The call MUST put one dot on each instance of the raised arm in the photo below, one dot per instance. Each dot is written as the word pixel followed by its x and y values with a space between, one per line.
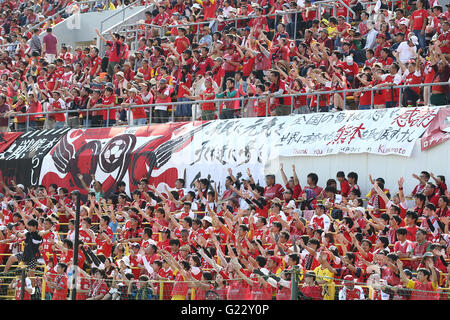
pixel 83 183
pixel 380 192
pixel 283 175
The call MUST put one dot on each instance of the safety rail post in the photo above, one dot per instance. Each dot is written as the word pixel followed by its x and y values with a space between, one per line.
pixel 46 121
pixel 371 99
pixel 43 285
pixel 317 104
pixel 129 117
pixel 150 116
pixel 195 111
pixel 295 26
pixel 292 105
pixel 76 244
pixel 87 118
pixel 107 118
pixel 136 37
pixel 23 276
pixel 345 101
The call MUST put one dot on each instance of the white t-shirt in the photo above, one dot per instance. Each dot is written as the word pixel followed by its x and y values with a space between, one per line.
pixel 325 220
pixel 397 78
pixel 191 215
pixel 405 52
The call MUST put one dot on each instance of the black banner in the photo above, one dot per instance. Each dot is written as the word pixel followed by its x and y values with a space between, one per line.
pixel 22 161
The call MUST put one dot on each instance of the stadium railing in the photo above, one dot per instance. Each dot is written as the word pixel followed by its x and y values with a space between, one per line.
pixel 319 7
pixel 240 112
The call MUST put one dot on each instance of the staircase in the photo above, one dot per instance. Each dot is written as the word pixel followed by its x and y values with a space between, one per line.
pixel 129 15
pixel 79 29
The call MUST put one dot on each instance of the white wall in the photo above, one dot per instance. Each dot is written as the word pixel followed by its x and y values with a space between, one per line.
pixel 81 28
pixel 389 167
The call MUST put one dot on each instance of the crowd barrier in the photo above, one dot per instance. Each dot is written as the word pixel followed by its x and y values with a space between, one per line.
pixel 244 110
pixel 158 291
pixel 160 295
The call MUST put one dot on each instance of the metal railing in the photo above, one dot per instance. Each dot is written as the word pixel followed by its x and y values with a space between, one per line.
pixel 104 27
pixel 240 112
pixel 319 6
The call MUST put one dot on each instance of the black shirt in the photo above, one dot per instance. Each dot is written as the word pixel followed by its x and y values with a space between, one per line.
pixel 32 242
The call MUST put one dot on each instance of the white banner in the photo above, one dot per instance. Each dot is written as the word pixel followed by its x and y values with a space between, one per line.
pixel 382 131
pixel 165 152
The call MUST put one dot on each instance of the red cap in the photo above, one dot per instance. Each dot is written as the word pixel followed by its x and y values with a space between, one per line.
pixel 277 260
pixel 349 278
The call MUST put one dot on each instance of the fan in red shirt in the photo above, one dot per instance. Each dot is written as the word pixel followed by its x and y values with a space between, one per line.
pixel 162 18
pixel 310 288
pixel 104 237
pixel 133 99
pixel 208 108
pixel 432 193
pixel 181 42
pixel 60 284
pixel 99 288
pixel 108 101
pixel 381 44
pixel 293 183
pixel 95 63
pixel 272 189
pixel 57 104
pixel 344 185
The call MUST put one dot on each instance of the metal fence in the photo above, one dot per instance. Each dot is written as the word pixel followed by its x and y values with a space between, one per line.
pixel 107 25
pixel 319 6
pixel 244 109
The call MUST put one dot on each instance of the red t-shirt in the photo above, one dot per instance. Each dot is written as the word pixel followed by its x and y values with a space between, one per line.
pixel 108 101
pixel 419 17
pixel 181 44
pixel 138 113
pixel 208 105
pixel 247 66
pixel 275 191
pixel 61 287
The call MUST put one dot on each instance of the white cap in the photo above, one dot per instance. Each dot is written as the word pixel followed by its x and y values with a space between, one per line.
pixel 360 209
pixel 208 218
pixel 414 40
pixel 349 60
pixel 290 205
pixel 126 260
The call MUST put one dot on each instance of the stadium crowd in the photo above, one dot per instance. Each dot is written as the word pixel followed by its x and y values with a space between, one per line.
pixel 232 49
pixel 246 242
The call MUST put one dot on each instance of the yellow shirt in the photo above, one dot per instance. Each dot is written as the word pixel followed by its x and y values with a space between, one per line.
pixel 412 285
pixel 331 31
pixel 329 287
